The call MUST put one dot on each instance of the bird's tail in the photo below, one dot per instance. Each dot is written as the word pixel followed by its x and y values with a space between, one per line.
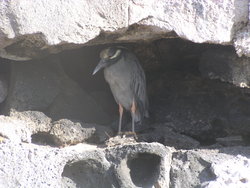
pixel 140 113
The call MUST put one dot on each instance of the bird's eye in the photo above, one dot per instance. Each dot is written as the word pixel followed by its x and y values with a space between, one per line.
pixel 117 53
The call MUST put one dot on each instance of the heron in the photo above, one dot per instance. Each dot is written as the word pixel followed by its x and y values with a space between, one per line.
pixel 126 78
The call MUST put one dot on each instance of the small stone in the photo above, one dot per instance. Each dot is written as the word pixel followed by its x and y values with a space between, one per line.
pixel 69 132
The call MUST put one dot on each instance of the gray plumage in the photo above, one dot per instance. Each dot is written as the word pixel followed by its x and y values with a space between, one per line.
pixel 126 79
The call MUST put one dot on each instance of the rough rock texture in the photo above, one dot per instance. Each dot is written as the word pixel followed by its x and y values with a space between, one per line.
pixel 126 165
pixel 141 165
pixel 68 132
pixel 84 165
pixel 31 29
pixel 225 167
pixel 22 125
pixel 39 166
pixel 14 130
pixel 242 41
pixel 36 127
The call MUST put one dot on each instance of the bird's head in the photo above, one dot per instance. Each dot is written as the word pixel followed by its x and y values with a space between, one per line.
pixel 108 57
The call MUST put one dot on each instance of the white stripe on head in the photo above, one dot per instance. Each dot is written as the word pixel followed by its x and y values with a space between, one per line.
pixel 117 53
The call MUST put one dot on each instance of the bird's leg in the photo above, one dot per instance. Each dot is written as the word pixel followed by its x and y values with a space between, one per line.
pixel 120 118
pixel 133 109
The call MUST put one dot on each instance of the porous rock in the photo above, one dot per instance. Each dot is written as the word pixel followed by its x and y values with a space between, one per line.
pixel 242 41
pixel 83 165
pixel 225 167
pixel 141 164
pixel 125 165
pixel 67 132
pixel 14 130
pixel 36 127
pixel 22 125
pixel 35 121
pixel 30 29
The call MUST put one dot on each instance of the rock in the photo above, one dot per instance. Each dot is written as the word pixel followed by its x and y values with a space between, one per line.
pixel 14 130
pixel 90 172
pixel 124 165
pixel 231 173
pixel 37 166
pixel 224 64
pixel 42 85
pixel 188 105
pixel 186 167
pixel 83 165
pixel 36 127
pixel 140 164
pixel 68 132
pixel 30 30
pixel 168 137
pixel 22 125
pixel 35 121
pixel 226 167
pixel 242 41
pixel 190 19
pixel 78 28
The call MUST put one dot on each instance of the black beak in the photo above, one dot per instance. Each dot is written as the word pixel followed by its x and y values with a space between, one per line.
pixel 100 65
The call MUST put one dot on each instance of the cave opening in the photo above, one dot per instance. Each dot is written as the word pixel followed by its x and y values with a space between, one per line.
pixel 194 90
pixel 182 96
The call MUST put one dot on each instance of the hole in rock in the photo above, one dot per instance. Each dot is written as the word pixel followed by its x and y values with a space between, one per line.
pixel 144 169
pixel 85 174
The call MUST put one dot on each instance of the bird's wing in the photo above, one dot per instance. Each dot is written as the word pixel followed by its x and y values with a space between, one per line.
pixel 139 88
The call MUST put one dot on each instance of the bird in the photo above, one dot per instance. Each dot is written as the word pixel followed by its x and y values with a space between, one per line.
pixel 127 81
